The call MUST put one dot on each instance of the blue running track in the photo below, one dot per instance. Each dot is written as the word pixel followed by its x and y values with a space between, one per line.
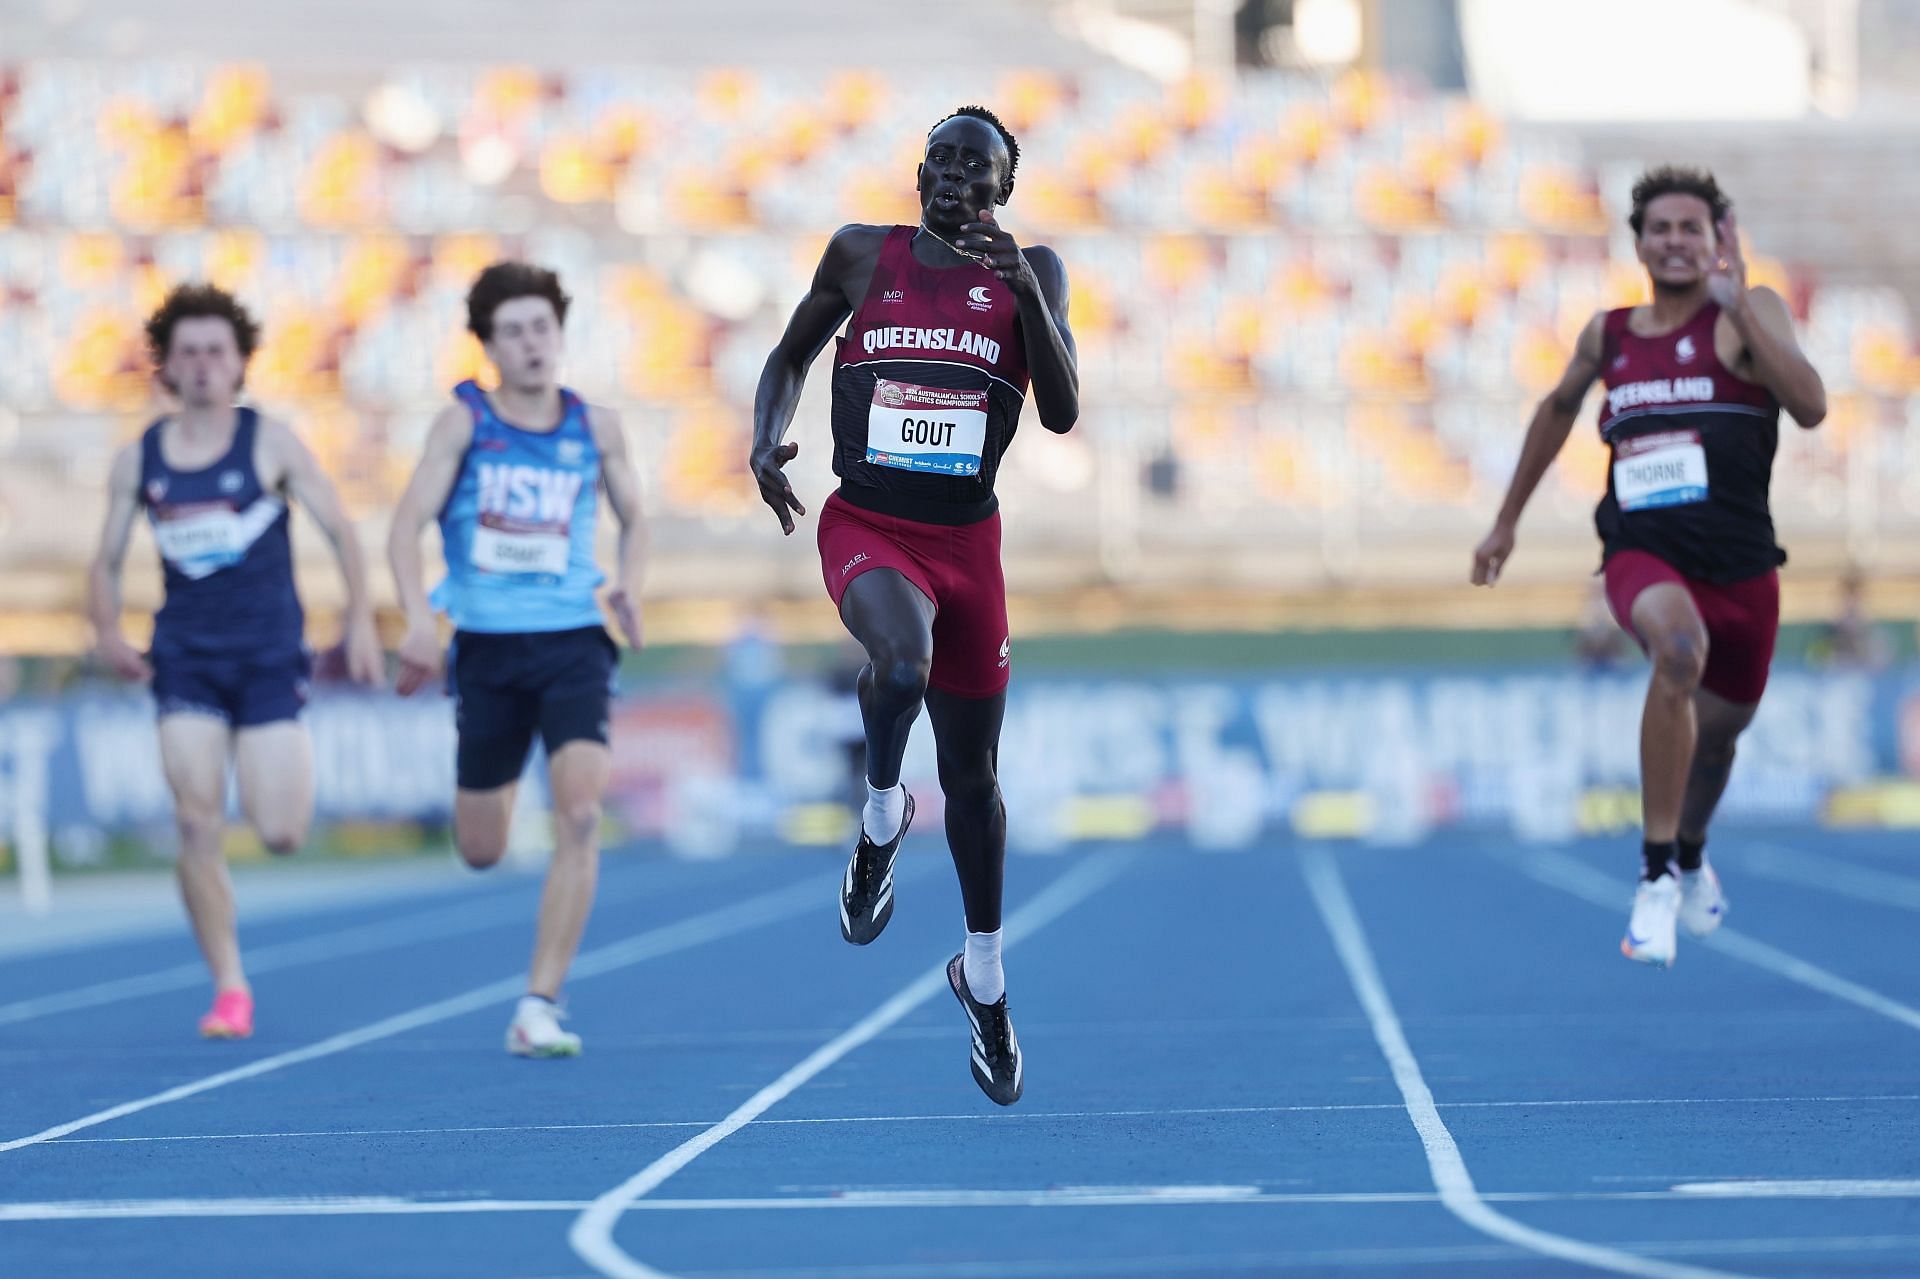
pixel 1300 1060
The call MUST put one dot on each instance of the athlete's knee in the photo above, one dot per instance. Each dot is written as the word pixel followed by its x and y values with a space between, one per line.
pixel 200 826
pixel 900 674
pixel 576 823
pixel 1714 750
pixel 969 784
pixel 479 846
pixel 281 835
pixel 1679 660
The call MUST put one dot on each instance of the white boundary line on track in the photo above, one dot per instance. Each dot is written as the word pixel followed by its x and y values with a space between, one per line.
pixel 1571 875
pixel 1444 1162
pixel 765 908
pixel 495 911
pixel 1015 1116
pixel 1831 875
pixel 592 1233
pixel 1175 1196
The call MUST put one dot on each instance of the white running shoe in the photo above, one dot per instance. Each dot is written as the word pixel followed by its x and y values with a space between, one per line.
pixel 1656 909
pixel 1703 907
pixel 536 1032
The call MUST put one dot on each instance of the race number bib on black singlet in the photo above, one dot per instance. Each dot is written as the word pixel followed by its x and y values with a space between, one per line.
pixel 1667 469
pixel 926 428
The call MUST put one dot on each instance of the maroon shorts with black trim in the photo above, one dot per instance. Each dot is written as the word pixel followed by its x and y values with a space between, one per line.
pixel 955 566
pixel 1742 619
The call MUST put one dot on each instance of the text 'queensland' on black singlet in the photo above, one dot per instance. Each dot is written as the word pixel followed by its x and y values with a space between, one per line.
pixel 1692 453
pixel 927 388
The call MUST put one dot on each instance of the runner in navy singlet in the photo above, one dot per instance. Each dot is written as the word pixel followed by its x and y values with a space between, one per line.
pixel 951 320
pixel 1695 381
pixel 228 664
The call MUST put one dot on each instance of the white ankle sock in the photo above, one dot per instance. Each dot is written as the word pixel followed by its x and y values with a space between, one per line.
pixel 981 965
pixel 884 812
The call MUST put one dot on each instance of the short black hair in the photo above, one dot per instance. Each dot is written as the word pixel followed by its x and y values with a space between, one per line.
pixel 1672 179
pixel 197 301
pixel 505 281
pixel 1006 134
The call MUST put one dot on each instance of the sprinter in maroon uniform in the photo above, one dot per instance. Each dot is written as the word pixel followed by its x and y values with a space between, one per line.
pixel 951 320
pixel 1695 381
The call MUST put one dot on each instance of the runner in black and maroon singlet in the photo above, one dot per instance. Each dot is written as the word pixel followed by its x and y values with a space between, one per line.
pixel 1695 381
pixel 950 320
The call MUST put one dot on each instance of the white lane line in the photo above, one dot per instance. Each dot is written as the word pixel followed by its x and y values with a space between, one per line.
pixel 1176 1196
pixel 1444 1162
pixel 446 922
pixel 1012 1116
pixel 1392 1260
pixel 1833 1189
pixel 1571 875
pixel 1829 874
pixel 592 1232
pixel 767 908
pixel 497 910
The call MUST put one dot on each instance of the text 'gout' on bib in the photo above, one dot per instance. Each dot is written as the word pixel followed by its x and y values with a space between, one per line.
pixel 926 428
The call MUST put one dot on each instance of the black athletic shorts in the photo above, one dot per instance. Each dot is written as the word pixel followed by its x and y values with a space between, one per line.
pixel 505 686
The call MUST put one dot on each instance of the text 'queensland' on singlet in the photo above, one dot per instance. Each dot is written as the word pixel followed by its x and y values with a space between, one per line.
pixel 518 526
pixel 227 560
pixel 927 388
pixel 1692 453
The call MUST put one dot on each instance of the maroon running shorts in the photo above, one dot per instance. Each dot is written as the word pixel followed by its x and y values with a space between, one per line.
pixel 955 566
pixel 1742 619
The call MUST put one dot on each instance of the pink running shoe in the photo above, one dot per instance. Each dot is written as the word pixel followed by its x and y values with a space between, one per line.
pixel 231 1017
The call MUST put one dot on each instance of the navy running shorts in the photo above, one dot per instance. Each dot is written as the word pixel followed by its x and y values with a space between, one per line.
pixel 505 686
pixel 243 690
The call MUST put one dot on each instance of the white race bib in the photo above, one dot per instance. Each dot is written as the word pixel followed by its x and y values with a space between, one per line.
pixel 926 428
pixel 199 533
pixel 1667 469
pixel 501 551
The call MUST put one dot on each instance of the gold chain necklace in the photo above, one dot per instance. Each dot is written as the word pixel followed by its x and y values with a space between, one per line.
pixel 982 259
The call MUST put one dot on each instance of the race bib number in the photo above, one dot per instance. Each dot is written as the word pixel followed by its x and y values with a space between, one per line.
pixel 926 428
pixel 1667 469
pixel 195 534
pixel 498 550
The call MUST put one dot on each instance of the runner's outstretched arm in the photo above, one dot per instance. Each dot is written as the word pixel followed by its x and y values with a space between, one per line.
pixel 1546 434
pixel 426 493
pixel 622 484
pixel 103 581
pixel 820 312
pixel 309 486
pixel 1039 282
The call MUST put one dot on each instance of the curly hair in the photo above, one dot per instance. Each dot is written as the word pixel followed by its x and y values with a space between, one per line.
pixel 1006 134
pixel 1671 179
pixel 196 301
pixel 504 281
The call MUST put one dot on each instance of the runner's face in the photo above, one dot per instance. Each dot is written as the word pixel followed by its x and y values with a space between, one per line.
pixel 526 344
pixel 962 173
pixel 203 364
pixel 1677 240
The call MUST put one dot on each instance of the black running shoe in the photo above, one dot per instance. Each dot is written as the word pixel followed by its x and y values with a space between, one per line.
pixel 996 1050
pixel 866 894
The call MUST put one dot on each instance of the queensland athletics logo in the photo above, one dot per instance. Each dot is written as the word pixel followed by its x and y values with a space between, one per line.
pixel 979 299
pixel 1683 350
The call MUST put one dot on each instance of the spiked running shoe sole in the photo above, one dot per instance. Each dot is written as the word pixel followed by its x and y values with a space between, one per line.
pixel 866 893
pixel 997 1064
